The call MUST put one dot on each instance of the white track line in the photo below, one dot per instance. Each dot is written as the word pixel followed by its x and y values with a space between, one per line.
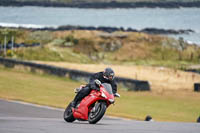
pixel 53 108
pixel 33 105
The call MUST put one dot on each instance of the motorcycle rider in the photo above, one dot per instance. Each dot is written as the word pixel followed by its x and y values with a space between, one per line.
pixel 107 76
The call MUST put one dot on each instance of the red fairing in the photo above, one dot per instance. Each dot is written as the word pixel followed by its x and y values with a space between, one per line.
pixel 109 96
pixel 82 111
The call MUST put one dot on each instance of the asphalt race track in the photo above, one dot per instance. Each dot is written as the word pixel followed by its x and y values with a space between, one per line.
pixel 16 117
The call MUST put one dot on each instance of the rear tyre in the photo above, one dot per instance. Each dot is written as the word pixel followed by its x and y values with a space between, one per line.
pixel 94 117
pixel 68 114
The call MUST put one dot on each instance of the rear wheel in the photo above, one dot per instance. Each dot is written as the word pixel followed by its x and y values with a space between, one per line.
pixel 97 113
pixel 68 114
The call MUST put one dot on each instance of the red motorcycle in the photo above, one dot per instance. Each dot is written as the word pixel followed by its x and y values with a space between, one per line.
pixel 93 107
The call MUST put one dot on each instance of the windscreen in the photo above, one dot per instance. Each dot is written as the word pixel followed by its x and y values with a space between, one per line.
pixel 108 88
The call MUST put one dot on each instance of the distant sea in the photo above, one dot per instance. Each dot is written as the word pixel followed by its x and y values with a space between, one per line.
pixel 137 18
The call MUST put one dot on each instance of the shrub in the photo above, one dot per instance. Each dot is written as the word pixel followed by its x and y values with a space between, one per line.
pixel 39 36
pixel 71 39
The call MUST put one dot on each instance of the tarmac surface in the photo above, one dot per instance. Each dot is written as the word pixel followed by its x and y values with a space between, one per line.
pixel 19 117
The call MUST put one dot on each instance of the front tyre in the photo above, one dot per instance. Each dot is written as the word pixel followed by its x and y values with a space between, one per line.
pixel 68 114
pixel 95 116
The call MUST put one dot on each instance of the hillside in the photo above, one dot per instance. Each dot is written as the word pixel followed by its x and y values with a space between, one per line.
pixel 83 46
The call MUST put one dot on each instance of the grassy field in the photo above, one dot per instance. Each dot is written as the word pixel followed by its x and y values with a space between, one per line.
pixel 58 92
pixel 160 78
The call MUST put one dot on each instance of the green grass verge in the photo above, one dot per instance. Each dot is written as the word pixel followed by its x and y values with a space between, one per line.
pixel 58 92
pixel 35 88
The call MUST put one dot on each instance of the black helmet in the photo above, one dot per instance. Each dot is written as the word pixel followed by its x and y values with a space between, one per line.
pixel 109 74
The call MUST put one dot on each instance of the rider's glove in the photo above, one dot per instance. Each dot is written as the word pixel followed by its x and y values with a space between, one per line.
pixel 95 85
pixel 97 82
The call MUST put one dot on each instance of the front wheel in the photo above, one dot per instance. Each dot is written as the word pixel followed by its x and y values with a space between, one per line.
pixel 68 114
pixel 97 113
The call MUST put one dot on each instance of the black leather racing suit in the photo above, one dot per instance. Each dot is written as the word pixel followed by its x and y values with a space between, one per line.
pixel 86 90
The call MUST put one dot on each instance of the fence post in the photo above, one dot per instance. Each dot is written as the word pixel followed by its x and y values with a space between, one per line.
pixel 12 45
pixel 5 40
pixel 0 47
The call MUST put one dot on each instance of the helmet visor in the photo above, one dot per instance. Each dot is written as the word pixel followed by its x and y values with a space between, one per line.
pixel 111 76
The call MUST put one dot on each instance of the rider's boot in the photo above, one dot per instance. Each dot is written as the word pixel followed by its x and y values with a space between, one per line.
pixel 73 104
pixel 77 98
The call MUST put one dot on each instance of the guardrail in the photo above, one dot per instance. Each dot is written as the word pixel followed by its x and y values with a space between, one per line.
pixel 193 70
pixel 131 84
